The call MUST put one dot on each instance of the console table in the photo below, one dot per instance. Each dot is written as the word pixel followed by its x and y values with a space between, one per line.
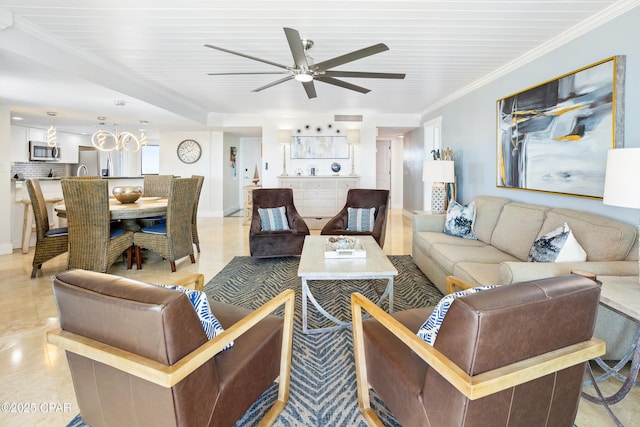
pixel 318 197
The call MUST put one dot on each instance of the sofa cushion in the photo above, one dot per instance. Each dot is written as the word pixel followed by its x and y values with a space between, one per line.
pixel 447 256
pixel 488 209
pixel 459 220
pixel 360 219
pixel 517 228
pixel 478 273
pixel 559 245
pixel 602 238
pixel 425 239
pixel 273 219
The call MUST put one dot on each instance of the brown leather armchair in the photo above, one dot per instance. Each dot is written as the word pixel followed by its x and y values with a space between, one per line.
pixel 139 356
pixel 264 244
pixel 514 355
pixel 361 198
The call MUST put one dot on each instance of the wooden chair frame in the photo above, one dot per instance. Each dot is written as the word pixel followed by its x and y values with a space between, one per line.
pixel 169 376
pixel 471 386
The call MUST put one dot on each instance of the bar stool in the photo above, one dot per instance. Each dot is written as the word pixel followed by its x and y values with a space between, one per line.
pixel 27 223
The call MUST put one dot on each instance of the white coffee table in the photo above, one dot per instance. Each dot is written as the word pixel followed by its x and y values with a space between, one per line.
pixel 314 266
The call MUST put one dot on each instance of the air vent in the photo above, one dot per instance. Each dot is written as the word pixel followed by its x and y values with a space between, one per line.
pixel 347 118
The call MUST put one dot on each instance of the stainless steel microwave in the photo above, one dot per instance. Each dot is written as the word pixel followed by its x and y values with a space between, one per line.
pixel 41 151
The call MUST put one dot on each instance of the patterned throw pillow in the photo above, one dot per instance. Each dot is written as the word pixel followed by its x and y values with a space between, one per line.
pixel 429 329
pixel 273 219
pixel 559 245
pixel 460 219
pixel 361 219
pixel 198 299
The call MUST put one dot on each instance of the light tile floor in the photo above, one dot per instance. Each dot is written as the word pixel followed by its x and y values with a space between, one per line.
pixel 36 388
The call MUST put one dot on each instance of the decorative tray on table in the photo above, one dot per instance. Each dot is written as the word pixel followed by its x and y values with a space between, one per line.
pixel 344 247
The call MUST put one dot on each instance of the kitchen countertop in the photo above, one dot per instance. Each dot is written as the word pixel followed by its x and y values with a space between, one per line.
pixel 53 178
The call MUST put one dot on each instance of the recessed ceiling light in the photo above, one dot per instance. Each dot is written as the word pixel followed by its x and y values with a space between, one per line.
pixel 144 122
pixel 52 113
pixel 16 118
pixel 119 102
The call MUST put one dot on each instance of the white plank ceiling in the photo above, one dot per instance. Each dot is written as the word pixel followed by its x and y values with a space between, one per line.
pixel 151 53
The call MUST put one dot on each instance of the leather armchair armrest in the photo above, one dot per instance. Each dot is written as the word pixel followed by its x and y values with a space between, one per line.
pixel 454 283
pixel 169 376
pixel 192 281
pixel 472 386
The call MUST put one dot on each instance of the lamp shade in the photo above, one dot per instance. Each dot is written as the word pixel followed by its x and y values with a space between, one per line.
pixel 622 178
pixel 284 136
pixel 353 136
pixel 438 171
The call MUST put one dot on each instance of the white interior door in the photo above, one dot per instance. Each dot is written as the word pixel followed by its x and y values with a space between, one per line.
pixel 383 165
pixel 432 141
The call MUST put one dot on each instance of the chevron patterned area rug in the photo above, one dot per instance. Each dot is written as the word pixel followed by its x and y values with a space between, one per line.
pixel 323 378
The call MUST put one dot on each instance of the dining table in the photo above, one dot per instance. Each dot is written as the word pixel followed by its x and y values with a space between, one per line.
pixel 128 213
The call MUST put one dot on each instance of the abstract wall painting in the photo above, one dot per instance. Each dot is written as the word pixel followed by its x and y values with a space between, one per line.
pixel 554 137
pixel 319 147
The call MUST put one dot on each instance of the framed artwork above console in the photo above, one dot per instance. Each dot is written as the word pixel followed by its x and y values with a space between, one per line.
pixel 319 147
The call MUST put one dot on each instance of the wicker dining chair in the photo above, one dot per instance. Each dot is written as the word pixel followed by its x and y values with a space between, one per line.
pixel 156 185
pixel 93 243
pixel 194 218
pixel 50 242
pixel 172 239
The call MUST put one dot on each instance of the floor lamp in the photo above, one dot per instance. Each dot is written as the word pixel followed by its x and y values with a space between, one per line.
pixel 284 138
pixel 621 179
pixel 353 139
pixel 439 172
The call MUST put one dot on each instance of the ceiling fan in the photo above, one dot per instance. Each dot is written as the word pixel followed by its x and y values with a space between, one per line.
pixel 305 71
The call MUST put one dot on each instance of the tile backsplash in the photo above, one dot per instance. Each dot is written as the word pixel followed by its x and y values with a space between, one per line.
pixel 38 169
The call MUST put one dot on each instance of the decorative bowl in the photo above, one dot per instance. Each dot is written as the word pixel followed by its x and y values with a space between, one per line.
pixel 127 193
pixel 341 242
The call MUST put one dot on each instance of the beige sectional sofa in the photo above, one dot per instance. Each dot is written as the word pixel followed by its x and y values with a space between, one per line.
pixel 505 232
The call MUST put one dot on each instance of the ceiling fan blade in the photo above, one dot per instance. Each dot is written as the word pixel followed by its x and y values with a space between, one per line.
pixel 277 82
pixel 343 84
pixel 353 56
pixel 246 56
pixel 247 73
pixel 310 89
pixel 363 75
pixel 297 50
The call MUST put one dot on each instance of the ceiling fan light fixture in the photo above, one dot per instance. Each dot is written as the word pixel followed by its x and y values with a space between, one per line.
pixel 304 76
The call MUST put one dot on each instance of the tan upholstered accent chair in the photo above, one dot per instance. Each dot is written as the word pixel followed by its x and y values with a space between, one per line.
pixel 152 364
pixel 50 242
pixel 361 198
pixel 94 243
pixel 264 244
pixel 510 356
pixel 172 239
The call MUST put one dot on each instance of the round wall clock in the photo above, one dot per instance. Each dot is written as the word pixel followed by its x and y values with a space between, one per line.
pixel 189 151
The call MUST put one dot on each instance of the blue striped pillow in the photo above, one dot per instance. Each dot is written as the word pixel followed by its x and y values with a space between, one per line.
pixel 360 219
pixel 198 299
pixel 429 329
pixel 273 219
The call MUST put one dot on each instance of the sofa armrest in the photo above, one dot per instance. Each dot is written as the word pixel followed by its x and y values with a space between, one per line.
pixel 515 271
pixel 429 222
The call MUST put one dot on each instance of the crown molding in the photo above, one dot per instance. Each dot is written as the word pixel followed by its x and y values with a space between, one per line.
pixel 6 19
pixel 115 77
pixel 567 36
